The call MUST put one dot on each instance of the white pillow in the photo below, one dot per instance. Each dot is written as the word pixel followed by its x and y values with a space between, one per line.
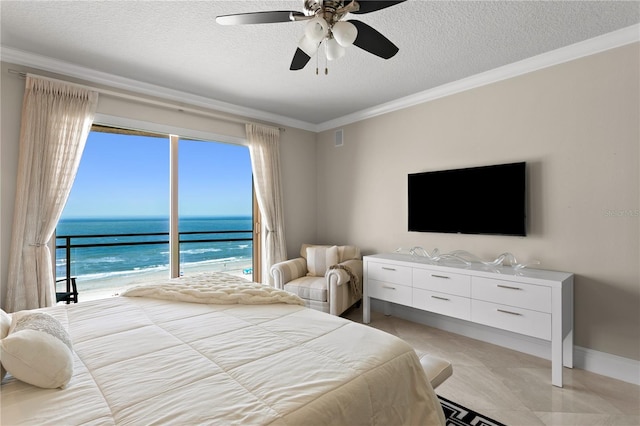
pixel 319 259
pixel 304 247
pixel 5 324
pixel 38 350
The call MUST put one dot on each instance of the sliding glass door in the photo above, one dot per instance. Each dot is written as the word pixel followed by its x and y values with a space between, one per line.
pixel 214 193
pixel 131 186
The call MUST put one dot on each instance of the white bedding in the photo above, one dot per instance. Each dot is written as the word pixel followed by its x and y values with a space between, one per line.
pixel 144 361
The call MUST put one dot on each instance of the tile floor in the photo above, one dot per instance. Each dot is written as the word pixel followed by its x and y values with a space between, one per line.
pixel 513 387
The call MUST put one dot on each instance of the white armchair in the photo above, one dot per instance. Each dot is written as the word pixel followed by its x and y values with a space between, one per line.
pixel 327 278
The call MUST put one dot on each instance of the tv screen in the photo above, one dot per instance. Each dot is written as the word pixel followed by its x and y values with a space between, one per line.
pixel 479 200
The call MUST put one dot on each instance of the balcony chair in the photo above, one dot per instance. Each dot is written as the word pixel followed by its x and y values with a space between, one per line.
pixel 327 278
pixel 71 293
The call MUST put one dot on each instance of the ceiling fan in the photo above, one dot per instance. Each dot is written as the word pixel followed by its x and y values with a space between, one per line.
pixel 326 24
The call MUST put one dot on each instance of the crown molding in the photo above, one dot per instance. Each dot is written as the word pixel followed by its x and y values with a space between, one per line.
pixel 45 63
pixel 588 47
pixel 584 48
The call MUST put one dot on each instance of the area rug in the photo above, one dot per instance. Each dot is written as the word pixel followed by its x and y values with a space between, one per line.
pixel 457 415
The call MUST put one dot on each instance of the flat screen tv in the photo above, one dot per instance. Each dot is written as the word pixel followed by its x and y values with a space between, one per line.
pixel 478 200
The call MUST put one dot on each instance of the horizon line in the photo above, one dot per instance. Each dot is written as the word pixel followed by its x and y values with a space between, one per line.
pixel 157 217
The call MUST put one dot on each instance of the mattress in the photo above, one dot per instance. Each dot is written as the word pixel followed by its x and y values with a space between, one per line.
pixel 142 360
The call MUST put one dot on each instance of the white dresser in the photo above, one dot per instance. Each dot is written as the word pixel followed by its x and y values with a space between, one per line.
pixel 532 302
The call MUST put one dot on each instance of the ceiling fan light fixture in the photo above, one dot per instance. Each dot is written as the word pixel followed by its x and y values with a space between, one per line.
pixel 344 33
pixel 334 50
pixel 316 29
pixel 308 46
pixel 324 24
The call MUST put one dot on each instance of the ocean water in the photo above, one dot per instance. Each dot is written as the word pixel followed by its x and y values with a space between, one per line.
pixel 93 264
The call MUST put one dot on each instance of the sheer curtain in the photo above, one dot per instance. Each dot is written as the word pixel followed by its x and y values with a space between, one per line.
pixel 265 162
pixel 56 120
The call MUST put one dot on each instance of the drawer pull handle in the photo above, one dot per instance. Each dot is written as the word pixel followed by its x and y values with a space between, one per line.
pixel 509 287
pixel 388 269
pixel 390 288
pixel 508 312
pixel 440 276
pixel 440 298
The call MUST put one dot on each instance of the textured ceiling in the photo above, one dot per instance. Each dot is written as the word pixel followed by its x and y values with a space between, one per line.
pixel 178 45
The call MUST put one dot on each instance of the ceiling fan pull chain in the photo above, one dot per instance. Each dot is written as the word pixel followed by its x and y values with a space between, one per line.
pixel 326 61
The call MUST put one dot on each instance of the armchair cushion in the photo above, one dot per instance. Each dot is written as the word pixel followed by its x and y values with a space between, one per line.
pixel 320 258
pixel 309 288
pixel 344 252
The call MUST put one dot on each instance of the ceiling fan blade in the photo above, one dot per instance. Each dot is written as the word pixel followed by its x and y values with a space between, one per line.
pixel 372 41
pixel 367 6
pixel 300 59
pixel 259 17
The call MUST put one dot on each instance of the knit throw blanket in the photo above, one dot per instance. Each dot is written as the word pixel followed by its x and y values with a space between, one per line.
pixel 214 288
pixel 353 279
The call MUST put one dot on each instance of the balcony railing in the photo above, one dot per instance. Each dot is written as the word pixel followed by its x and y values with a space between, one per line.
pixel 71 241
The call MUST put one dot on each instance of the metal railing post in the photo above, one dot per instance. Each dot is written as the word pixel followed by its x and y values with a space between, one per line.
pixel 68 254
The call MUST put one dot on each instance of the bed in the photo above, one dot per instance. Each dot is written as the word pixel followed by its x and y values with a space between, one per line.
pixel 180 357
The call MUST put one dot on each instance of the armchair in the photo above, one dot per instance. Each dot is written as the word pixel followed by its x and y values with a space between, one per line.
pixel 327 278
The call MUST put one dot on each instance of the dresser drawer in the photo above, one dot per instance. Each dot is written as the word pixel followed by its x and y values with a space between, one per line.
pixel 389 273
pixel 524 321
pixel 396 293
pixel 442 282
pixel 511 293
pixel 441 303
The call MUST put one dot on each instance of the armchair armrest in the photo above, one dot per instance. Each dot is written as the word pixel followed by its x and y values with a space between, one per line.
pixel 341 276
pixel 288 270
pixel 344 283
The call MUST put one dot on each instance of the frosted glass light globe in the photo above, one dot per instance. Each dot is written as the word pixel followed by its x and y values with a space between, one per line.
pixel 316 29
pixel 345 33
pixel 334 50
pixel 308 46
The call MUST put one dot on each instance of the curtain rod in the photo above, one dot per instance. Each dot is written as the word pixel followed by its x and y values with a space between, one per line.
pixel 135 98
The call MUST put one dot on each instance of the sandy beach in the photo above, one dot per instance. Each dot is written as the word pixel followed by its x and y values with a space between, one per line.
pixel 113 286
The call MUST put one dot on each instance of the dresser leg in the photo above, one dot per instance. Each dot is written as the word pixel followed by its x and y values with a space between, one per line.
pixel 366 310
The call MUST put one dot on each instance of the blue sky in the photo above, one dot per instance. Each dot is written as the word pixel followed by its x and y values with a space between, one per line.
pixel 128 176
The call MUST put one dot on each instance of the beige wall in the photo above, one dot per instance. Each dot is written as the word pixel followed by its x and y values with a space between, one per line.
pixel 298 150
pixel 576 125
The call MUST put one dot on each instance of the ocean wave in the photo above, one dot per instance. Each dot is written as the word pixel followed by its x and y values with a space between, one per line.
pixel 106 259
pixel 195 251
pixel 200 251
pixel 215 261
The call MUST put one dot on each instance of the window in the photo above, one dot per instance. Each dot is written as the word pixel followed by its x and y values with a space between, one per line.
pixel 115 228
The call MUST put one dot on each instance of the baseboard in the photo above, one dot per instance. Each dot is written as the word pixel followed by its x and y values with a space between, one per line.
pixel 625 369
pixel 617 367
